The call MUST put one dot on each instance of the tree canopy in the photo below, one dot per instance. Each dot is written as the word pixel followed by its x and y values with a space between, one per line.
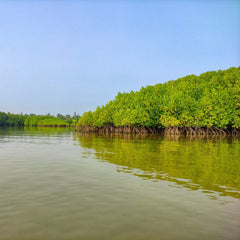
pixel 10 119
pixel 209 100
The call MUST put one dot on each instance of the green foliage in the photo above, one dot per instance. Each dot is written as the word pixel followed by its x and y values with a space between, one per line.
pixel 211 99
pixel 86 119
pixel 45 121
pixel 67 118
pixel 9 119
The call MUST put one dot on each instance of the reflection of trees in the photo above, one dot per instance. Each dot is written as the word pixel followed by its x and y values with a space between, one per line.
pixel 33 131
pixel 207 163
pixel 46 130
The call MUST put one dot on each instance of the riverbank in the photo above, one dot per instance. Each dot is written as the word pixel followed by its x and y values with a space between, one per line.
pixel 166 131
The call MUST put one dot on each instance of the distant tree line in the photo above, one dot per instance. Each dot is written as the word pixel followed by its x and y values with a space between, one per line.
pixel 10 119
pixel 209 103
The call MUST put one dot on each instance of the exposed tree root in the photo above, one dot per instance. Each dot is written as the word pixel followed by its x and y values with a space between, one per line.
pixel 200 131
pixel 167 131
pixel 123 129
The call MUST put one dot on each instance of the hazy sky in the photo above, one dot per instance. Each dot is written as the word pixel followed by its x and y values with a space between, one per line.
pixel 71 56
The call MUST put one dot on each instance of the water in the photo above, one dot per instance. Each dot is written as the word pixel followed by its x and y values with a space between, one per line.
pixel 55 184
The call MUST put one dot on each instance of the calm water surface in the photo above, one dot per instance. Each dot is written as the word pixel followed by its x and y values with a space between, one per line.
pixel 55 184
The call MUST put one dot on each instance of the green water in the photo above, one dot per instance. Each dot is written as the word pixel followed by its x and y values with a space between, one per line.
pixel 55 184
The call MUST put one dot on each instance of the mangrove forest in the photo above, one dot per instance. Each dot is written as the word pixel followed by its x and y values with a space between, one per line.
pixel 204 104
pixel 18 120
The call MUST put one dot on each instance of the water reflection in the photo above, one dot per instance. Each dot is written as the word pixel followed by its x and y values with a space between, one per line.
pixel 210 165
pixel 32 134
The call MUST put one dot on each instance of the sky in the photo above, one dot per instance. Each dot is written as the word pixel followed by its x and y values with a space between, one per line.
pixel 72 56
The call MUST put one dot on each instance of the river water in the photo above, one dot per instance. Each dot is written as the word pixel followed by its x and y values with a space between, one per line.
pixel 55 184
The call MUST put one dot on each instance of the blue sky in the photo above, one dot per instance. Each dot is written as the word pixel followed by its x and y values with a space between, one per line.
pixel 71 56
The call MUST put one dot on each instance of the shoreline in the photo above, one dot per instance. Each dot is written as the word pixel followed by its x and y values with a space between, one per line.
pixel 154 130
